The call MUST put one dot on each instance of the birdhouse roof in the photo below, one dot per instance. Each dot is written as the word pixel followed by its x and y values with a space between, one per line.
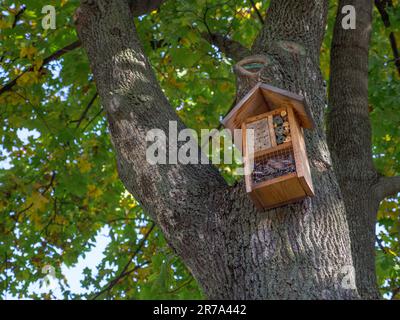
pixel 263 98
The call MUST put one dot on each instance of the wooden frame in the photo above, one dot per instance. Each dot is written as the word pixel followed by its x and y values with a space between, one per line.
pixel 263 102
pixel 290 187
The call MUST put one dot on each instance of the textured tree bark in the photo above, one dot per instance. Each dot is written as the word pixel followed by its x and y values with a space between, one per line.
pixel 349 137
pixel 297 251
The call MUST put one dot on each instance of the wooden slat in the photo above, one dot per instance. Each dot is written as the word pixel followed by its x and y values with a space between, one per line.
pixel 247 175
pixel 308 187
pixel 266 183
pixel 300 153
pixel 269 115
pixel 256 200
pixel 282 190
pixel 264 115
pixel 294 133
pixel 272 131
pixel 261 153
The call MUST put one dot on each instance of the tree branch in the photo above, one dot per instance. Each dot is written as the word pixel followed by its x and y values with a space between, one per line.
pixel 136 106
pixel 90 104
pixel 381 6
pixel 137 7
pixel 380 244
pixel 386 187
pixel 18 15
pixel 232 49
pixel 125 271
pixel 46 61
pixel 184 284
pixel 91 120
pixel 257 11
pixel 140 7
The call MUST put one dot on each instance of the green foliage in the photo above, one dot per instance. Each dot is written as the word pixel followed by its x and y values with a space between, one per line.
pixel 60 187
pixel 384 86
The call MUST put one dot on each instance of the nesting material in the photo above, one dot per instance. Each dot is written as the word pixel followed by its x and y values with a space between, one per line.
pixel 273 165
pixel 262 139
pixel 281 127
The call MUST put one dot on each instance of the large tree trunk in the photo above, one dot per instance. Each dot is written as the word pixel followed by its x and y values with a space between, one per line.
pixel 298 251
pixel 349 133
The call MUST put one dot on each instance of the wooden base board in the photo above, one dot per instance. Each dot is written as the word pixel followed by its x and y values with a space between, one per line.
pixel 279 191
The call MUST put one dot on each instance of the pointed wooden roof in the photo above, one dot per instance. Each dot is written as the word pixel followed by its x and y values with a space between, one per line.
pixel 263 98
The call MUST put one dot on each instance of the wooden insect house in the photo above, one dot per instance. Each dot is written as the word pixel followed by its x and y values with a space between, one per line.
pixel 277 171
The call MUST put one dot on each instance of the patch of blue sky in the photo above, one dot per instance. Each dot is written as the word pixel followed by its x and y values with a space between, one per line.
pixel 75 274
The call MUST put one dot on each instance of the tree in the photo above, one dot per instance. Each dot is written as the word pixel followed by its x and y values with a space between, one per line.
pixel 306 250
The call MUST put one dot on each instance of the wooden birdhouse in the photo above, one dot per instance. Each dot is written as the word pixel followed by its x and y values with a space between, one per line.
pixel 274 151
